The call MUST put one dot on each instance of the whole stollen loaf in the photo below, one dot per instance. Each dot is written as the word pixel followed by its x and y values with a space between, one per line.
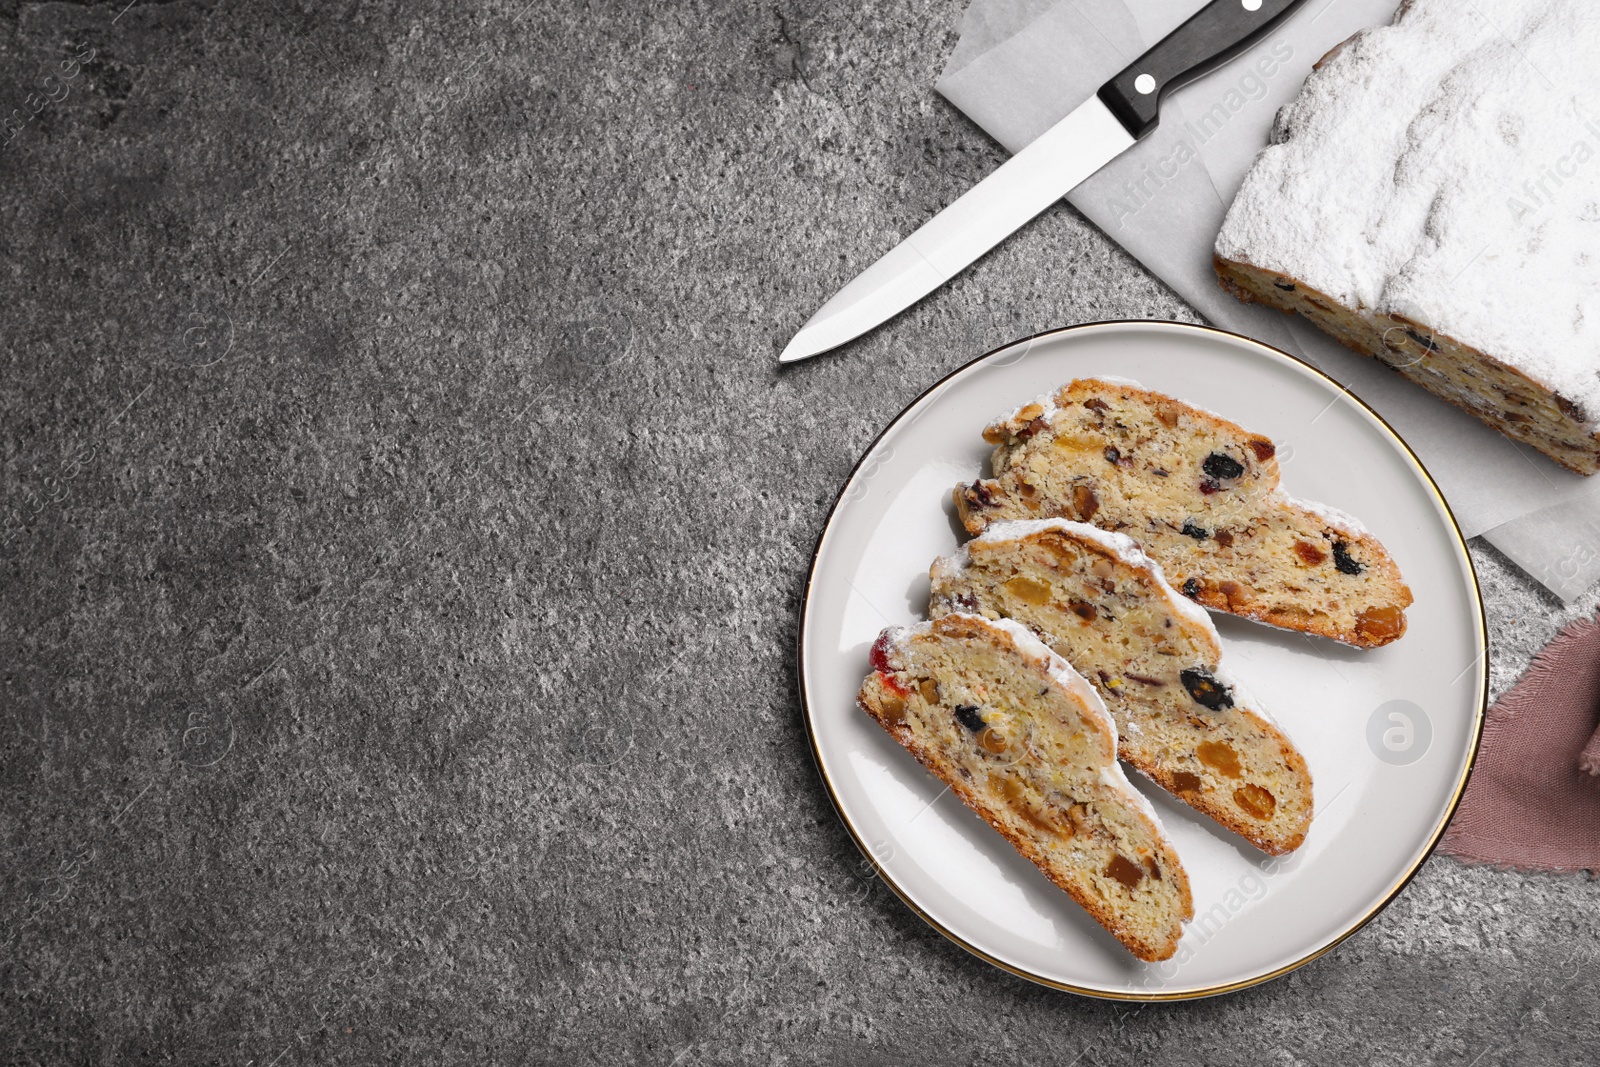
pixel 1432 198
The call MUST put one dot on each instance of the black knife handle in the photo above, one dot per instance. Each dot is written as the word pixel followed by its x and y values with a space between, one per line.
pixel 1218 32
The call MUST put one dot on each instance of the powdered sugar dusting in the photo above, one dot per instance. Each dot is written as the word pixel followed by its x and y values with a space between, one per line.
pixel 1029 645
pixel 1129 383
pixel 1431 170
pixel 1120 545
pixel 1047 401
pixel 1060 670
pixel 1126 550
pixel 1123 547
pixel 1339 520
pixel 1242 698
pixel 1063 673
pixel 1113 775
pixel 896 637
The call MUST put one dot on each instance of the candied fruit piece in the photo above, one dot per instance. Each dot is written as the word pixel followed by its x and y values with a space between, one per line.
pixel 1084 502
pixel 1263 448
pixel 1311 555
pixel 1380 625
pixel 1125 871
pixel 1255 800
pixel 894 707
pixel 1023 805
pixel 1219 756
pixel 1083 611
pixel 1224 538
pixel 1343 560
pixel 1028 590
pixel 1191 587
pixel 1186 782
pixel 879 656
pixel 891 683
pixel 929 690
pixel 1072 442
pixel 880 653
pixel 1194 530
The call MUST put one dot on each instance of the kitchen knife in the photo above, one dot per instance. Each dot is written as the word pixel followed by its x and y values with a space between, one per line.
pixel 1103 127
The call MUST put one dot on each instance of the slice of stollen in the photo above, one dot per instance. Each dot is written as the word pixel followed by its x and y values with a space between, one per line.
pixel 1105 608
pixel 1026 743
pixel 1201 496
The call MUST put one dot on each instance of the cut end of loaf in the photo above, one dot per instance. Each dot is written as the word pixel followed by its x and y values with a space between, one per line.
pixel 1494 392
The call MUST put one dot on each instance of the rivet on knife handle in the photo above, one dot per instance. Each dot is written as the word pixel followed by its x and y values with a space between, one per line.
pixel 1218 32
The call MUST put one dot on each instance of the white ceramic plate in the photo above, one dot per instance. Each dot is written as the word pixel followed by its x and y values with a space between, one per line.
pixel 1389 733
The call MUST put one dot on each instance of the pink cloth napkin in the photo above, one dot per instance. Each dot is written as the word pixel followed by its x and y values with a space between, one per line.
pixel 1533 801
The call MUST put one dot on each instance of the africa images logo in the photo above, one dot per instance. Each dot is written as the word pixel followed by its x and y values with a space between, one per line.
pixel 1399 732
pixel 1537 191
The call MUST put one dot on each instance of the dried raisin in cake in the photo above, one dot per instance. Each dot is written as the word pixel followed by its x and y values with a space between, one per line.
pixel 1432 199
pixel 1105 608
pixel 1200 495
pixel 1028 745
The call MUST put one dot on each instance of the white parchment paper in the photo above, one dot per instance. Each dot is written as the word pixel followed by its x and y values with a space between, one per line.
pixel 1021 65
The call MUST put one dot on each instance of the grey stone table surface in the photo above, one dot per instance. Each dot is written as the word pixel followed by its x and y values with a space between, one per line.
pixel 405 528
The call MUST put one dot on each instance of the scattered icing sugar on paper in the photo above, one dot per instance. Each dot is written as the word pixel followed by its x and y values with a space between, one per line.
pixel 1021 65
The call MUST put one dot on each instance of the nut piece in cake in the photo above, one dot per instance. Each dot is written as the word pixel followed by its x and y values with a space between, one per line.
pixel 1200 496
pixel 1103 606
pixel 1027 744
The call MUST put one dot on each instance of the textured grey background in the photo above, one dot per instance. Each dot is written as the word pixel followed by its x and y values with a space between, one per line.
pixel 404 528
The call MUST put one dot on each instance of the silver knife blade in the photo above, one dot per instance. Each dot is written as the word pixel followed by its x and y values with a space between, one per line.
pixel 1030 181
